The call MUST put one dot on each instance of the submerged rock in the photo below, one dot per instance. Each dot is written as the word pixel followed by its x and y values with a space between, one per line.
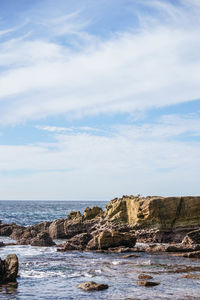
pixel 9 269
pixel 92 286
pixel 147 283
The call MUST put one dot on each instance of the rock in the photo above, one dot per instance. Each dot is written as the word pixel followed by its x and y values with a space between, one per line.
pixel 144 277
pixel 110 239
pixel 91 213
pixel 166 219
pixel 130 256
pixel 195 254
pixel 192 238
pixel 9 269
pixel 42 240
pixel 155 248
pixel 73 227
pixel 92 286
pixel 56 229
pixel 191 276
pixel 78 242
pixel 41 227
pixel 7 229
pixel 74 215
pixel 147 283
pixel 2 244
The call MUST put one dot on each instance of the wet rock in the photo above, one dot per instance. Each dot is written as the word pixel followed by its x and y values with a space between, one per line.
pixel 155 248
pixel 92 286
pixel 144 276
pixel 42 240
pixel 111 239
pixel 192 238
pixel 91 213
pixel 2 244
pixel 130 256
pixel 147 283
pixel 78 242
pixel 9 269
pixel 195 254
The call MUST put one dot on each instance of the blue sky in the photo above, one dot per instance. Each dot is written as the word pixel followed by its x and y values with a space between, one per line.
pixel 99 98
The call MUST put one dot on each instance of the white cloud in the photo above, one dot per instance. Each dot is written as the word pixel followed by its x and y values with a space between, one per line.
pixel 143 159
pixel 131 71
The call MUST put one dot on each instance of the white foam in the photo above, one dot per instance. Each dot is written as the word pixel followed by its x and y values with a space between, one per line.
pixel 40 274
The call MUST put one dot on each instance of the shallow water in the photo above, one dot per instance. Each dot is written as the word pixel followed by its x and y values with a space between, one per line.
pixel 48 274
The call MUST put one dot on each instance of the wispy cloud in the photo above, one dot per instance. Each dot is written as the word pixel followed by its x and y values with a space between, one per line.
pixel 130 71
pixel 132 159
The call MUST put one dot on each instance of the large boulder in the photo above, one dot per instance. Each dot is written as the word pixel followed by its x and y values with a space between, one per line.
pixel 111 239
pixel 9 269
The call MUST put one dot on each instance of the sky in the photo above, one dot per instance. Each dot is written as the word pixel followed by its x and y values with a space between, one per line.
pixel 99 99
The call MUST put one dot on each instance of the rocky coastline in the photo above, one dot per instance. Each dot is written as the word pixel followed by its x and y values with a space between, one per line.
pixel 162 224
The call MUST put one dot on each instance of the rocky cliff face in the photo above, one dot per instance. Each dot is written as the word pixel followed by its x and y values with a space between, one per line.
pixel 170 214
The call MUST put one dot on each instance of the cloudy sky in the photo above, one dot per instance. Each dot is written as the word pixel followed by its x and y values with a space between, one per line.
pixel 99 98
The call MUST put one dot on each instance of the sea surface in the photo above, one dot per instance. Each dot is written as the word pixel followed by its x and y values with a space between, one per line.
pixel 47 274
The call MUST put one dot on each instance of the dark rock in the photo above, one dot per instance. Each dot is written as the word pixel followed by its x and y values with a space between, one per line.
pixel 192 238
pixel 147 283
pixel 2 244
pixel 92 286
pixel 42 240
pixel 144 276
pixel 78 242
pixel 9 269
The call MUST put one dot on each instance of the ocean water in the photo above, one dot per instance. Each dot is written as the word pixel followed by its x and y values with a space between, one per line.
pixel 47 274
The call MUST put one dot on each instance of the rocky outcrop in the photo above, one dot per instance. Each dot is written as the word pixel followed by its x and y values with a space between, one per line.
pixel 9 269
pixel 156 218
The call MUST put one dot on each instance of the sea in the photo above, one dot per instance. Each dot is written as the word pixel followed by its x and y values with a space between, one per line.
pixel 46 274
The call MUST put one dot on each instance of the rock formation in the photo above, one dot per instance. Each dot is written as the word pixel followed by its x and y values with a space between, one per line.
pixel 156 218
pixel 150 219
pixel 8 269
